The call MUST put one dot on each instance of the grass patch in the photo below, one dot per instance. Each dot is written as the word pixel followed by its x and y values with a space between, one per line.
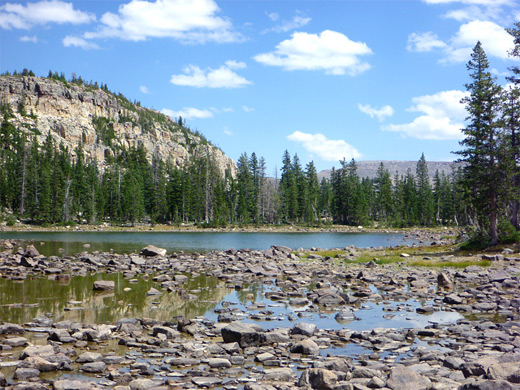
pixel 454 264
pixel 325 253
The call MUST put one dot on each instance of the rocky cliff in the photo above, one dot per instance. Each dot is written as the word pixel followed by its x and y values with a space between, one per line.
pixel 104 122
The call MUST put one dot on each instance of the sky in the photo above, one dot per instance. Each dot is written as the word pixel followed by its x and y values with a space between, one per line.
pixel 327 80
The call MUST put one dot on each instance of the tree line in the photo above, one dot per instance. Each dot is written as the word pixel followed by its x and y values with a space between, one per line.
pixel 50 184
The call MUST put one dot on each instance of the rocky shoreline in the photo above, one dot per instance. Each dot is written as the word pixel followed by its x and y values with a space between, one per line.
pixel 479 351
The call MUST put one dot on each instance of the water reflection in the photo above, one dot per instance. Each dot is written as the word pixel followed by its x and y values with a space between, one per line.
pixel 21 302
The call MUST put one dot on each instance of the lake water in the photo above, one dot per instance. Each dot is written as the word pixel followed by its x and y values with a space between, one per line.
pixel 53 243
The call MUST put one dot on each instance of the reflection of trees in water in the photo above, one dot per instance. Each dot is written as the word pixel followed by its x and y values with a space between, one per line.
pixel 54 298
pixel 256 289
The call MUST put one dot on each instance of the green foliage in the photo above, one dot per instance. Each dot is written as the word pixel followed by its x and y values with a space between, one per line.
pixel 11 220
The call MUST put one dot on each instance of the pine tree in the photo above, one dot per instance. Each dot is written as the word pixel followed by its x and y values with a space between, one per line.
pixel 481 149
pixel 425 207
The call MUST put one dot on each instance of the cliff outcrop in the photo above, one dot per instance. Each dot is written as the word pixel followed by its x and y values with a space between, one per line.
pixel 102 121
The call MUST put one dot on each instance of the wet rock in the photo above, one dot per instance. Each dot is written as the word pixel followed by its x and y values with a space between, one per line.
pixel 152 250
pixel 170 333
pixel 104 285
pixel 453 299
pixel 345 315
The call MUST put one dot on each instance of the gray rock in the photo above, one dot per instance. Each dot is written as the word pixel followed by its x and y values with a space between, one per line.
pixel 306 347
pixel 22 373
pixel 345 315
pixel 15 342
pixel 94 367
pixel 403 378
pixel 279 374
pixel 444 280
pixel 39 364
pixel 318 378
pixel 89 357
pixel 104 285
pixel 206 381
pixel 219 363
pixel 304 328
pixel 489 385
pixel 246 335
pixel 152 250
pixel 67 384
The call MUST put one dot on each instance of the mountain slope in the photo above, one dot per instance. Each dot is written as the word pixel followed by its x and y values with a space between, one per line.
pixel 369 168
pixel 102 121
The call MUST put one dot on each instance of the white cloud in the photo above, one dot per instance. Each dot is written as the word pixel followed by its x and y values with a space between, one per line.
pixel 329 51
pixel 33 39
pixel 326 149
pixel 442 119
pixel 287 25
pixel 381 113
pixel 20 16
pixel 248 109
pixel 144 89
pixel 223 77
pixel 188 113
pixel 72 41
pixel 495 40
pixel 424 42
pixel 227 131
pixel 192 21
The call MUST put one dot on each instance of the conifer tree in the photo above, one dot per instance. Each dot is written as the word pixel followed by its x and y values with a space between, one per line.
pixel 481 145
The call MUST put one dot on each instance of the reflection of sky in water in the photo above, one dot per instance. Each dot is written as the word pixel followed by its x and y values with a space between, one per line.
pixel 370 315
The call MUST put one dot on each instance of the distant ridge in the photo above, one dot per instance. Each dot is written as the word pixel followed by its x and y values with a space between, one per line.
pixel 369 168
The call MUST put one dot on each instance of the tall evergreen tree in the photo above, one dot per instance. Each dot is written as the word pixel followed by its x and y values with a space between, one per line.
pixel 481 143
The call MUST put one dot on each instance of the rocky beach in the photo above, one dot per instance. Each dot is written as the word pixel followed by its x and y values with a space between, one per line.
pixel 468 337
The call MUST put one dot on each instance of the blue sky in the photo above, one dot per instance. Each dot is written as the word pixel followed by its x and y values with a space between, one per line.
pixel 363 79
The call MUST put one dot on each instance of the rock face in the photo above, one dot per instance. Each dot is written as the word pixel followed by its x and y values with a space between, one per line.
pixel 101 121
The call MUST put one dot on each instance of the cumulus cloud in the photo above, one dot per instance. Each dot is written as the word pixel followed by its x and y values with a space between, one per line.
pixel 324 148
pixel 287 25
pixel 496 41
pixel 72 41
pixel 329 51
pixel 193 21
pixel 222 77
pixel 381 113
pixel 20 16
pixel 424 42
pixel 188 113
pixel 442 117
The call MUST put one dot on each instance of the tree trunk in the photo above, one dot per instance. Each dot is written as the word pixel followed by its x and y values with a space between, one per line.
pixel 493 219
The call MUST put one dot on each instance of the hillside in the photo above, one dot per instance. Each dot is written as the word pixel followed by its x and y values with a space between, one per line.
pixel 369 168
pixel 101 120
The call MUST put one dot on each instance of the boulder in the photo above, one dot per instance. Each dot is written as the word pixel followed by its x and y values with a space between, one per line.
pixel 318 378
pixel 403 378
pixel 246 335
pixel 304 328
pixel 104 285
pixel 152 250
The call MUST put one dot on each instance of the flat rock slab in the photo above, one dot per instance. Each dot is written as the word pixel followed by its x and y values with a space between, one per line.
pixel 206 381
pixel 152 250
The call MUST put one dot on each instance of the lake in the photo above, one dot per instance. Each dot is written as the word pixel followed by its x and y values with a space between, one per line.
pixel 64 243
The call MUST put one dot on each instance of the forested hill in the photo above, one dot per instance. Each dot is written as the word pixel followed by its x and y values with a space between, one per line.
pixel 104 122
pixel 369 168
